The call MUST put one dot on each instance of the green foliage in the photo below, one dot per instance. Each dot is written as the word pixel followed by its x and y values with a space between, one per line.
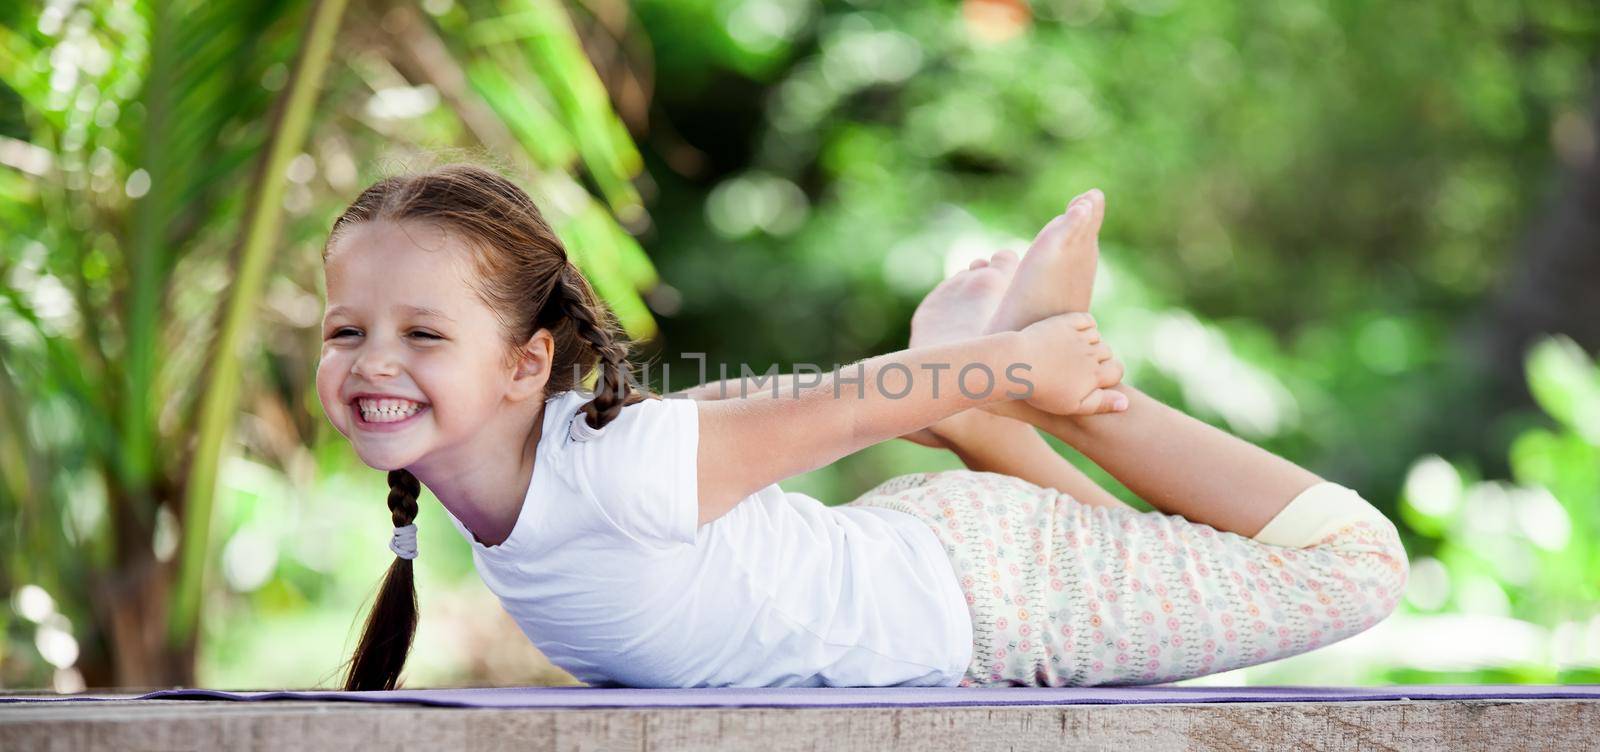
pixel 1308 199
pixel 166 167
pixel 1529 548
pixel 1332 186
pixel 1561 379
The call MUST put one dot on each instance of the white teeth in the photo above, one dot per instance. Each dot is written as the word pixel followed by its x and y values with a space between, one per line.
pixel 387 410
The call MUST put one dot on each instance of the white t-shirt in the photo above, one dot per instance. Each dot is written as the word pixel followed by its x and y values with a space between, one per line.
pixel 608 574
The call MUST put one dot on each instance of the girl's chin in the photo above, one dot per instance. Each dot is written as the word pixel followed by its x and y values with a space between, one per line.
pixel 385 459
pixel 385 464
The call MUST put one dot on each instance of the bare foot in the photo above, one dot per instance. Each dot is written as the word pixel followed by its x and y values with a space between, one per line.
pixel 959 306
pixel 1056 274
pixel 955 310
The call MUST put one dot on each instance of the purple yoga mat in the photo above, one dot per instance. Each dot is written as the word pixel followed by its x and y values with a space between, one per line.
pixel 590 697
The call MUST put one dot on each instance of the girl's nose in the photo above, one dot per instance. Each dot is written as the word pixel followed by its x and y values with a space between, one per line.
pixel 374 362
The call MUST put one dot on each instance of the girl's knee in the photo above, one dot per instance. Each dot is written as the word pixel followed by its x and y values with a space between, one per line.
pixel 1373 566
pixel 1390 557
pixel 1334 518
pixel 1369 557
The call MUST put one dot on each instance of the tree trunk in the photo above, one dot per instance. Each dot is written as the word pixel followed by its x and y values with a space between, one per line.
pixel 131 605
pixel 136 612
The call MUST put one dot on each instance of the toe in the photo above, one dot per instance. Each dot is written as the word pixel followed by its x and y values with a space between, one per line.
pixel 1080 220
pixel 978 264
pixel 1097 207
pixel 1003 259
pixel 1088 211
pixel 1081 206
pixel 1053 233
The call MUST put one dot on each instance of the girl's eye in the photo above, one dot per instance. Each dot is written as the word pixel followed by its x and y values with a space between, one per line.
pixel 350 332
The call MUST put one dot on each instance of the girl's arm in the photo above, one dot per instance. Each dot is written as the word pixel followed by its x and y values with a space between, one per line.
pixel 749 387
pixel 994 444
pixel 748 444
pixel 1178 464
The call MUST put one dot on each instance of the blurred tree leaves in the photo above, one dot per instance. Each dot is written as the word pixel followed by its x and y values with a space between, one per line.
pixel 1338 185
pixel 1527 548
pixel 1309 201
pixel 130 140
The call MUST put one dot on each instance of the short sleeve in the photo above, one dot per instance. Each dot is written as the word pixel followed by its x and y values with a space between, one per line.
pixel 641 469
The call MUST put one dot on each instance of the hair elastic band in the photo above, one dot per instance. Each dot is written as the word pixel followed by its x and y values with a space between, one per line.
pixel 404 542
pixel 579 430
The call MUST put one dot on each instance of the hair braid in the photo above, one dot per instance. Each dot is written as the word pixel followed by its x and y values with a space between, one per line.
pixel 392 624
pixel 591 322
pixel 403 492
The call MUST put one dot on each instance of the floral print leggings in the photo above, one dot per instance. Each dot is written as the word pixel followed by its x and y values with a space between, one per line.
pixel 1067 594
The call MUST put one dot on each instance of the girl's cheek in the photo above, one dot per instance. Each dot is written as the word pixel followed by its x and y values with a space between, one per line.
pixel 328 389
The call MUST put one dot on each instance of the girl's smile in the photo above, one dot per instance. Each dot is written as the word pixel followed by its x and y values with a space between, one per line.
pixel 383 412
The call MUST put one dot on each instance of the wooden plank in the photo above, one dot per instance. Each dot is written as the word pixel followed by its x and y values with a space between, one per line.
pixel 317 726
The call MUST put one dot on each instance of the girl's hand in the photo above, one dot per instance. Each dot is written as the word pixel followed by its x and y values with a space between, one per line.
pixel 1072 368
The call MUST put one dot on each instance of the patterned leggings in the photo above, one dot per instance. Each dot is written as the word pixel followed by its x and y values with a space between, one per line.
pixel 1067 594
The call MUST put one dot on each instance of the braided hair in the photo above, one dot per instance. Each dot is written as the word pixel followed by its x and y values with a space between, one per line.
pixel 524 275
pixel 612 390
pixel 393 622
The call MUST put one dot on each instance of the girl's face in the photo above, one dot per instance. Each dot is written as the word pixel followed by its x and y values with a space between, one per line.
pixel 413 362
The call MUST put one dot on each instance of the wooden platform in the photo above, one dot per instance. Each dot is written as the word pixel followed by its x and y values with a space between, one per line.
pixel 317 726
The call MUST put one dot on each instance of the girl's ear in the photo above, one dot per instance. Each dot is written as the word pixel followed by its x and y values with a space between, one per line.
pixel 533 366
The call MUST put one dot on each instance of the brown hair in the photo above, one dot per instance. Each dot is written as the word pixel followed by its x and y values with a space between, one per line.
pixel 524 276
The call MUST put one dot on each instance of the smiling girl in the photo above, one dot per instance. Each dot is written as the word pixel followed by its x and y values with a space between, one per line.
pixel 643 541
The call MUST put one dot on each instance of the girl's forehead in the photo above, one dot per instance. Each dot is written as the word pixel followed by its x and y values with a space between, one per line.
pixel 423 263
pixel 395 240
